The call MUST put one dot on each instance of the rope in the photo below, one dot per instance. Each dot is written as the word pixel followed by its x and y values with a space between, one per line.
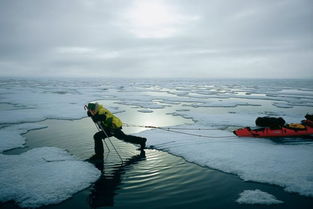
pixel 198 135
pixel 161 128
pixel 173 128
pixel 180 132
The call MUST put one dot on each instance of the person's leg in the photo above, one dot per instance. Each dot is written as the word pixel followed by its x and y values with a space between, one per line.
pixel 98 143
pixel 98 140
pixel 129 138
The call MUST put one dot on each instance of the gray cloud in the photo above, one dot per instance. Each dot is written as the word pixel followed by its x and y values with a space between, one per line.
pixel 173 38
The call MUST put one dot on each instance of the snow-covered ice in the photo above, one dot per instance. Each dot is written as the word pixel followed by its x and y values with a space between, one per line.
pixel 253 159
pixel 11 137
pixel 43 176
pixel 257 197
pixel 221 105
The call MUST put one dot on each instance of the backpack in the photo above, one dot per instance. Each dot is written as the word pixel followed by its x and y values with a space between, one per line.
pixel 270 122
pixel 309 117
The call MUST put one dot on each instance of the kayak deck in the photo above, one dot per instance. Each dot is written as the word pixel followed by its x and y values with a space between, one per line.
pixel 269 132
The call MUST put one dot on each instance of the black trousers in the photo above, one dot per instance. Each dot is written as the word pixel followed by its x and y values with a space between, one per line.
pixel 118 133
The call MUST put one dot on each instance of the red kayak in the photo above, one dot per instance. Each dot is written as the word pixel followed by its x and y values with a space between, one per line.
pixel 268 132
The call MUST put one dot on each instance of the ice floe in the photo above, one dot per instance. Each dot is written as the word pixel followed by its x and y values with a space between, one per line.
pixel 142 104
pixel 257 197
pixel 43 176
pixel 253 159
pixel 222 103
pixel 11 136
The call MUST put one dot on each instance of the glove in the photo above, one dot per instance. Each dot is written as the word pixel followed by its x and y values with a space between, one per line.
pixel 93 119
pixel 97 117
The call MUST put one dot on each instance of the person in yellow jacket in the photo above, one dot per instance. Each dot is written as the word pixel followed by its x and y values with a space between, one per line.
pixel 112 126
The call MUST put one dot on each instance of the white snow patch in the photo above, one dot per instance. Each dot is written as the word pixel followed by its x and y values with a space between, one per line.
pixel 222 103
pixel 296 92
pixel 257 197
pixel 252 159
pixel 142 104
pixel 43 176
pixel 229 118
pixel 10 137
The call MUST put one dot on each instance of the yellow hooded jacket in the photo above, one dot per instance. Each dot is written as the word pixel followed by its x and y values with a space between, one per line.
pixel 111 120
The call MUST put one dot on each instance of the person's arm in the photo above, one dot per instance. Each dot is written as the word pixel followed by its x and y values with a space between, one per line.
pixel 96 117
pixel 89 114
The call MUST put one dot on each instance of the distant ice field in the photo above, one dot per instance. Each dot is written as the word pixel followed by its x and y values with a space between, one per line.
pixel 219 105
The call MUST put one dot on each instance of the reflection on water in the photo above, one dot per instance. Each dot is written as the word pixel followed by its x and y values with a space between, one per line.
pixel 103 192
pixel 158 117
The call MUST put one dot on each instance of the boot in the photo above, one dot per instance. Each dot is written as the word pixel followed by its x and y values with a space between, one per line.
pixel 95 158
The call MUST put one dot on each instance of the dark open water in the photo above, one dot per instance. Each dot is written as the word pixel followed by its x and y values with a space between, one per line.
pixel 150 179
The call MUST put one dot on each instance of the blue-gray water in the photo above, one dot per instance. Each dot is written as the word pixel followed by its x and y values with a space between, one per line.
pixel 153 179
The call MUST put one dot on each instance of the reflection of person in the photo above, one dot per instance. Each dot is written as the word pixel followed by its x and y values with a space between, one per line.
pixel 104 189
pixel 111 126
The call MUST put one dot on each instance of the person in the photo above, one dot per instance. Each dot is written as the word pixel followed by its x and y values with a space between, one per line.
pixel 111 126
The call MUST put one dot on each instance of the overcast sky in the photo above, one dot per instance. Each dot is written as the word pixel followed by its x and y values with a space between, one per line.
pixel 157 38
